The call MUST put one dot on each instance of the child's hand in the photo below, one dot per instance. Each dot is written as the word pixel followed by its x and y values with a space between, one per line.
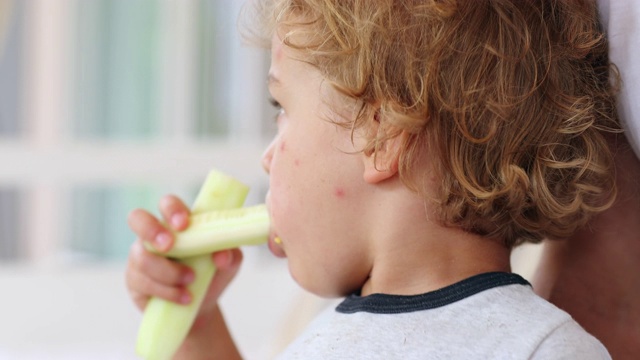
pixel 150 275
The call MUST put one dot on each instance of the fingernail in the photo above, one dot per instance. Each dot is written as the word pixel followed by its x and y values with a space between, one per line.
pixel 178 220
pixel 162 240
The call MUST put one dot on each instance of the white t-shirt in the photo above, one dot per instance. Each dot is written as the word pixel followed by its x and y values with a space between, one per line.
pixel 621 21
pixel 488 316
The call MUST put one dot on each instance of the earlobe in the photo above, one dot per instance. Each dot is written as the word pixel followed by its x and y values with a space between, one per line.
pixel 382 163
pixel 374 176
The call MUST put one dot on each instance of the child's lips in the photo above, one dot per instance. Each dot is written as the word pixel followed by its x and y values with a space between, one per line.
pixel 275 248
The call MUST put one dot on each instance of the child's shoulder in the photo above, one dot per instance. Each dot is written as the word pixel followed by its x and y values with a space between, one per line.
pixel 507 320
pixel 582 344
pixel 512 320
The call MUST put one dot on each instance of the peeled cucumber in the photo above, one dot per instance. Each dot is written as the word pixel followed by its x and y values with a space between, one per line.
pixel 218 230
pixel 213 227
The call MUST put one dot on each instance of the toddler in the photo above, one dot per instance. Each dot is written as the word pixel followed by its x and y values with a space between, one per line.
pixel 418 142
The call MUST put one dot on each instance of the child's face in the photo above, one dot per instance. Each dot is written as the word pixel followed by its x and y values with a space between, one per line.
pixel 316 182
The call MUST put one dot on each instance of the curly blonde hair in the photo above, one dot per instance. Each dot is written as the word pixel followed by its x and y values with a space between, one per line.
pixel 512 96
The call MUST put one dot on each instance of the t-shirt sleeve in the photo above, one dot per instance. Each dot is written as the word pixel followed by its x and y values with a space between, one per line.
pixel 570 341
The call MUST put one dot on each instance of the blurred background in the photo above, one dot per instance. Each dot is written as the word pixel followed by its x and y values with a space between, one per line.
pixel 105 106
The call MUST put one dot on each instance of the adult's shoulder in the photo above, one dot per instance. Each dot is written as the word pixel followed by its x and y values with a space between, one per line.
pixel 621 22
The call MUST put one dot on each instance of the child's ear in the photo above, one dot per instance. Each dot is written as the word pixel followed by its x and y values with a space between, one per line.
pixel 382 163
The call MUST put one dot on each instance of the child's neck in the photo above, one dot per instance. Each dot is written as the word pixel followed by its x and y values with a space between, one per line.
pixel 412 254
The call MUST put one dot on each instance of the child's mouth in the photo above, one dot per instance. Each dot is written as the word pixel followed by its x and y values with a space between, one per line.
pixel 275 246
pixel 274 243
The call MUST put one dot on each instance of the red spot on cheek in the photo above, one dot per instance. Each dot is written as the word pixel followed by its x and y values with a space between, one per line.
pixel 339 193
pixel 283 146
pixel 296 162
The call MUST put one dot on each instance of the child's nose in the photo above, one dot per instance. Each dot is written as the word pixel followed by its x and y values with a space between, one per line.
pixel 268 156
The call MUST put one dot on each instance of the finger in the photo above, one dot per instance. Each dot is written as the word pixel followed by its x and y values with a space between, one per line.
pixel 159 268
pixel 143 287
pixel 148 228
pixel 228 263
pixel 228 260
pixel 174 212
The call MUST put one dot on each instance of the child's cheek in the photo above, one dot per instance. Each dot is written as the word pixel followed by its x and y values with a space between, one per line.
pixel 275 206
pixel 286 155
pixel 280 187
pixel 287 159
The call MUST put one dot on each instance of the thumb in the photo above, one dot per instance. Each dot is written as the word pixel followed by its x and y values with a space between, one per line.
pixel 227 263
pixel 228 260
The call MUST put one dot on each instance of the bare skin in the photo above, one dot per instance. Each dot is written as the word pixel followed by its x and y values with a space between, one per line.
pixel 595 276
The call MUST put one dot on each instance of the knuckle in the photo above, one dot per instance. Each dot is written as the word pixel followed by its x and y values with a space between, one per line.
pixel 146 263
pixel 129 281
pixel 136 249
pixel 137 284
pixel 173 294
pixel 133 262
pixel 146 286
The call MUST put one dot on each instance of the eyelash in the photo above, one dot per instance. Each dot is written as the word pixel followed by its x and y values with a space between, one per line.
pixel 275 103
pixel 277 106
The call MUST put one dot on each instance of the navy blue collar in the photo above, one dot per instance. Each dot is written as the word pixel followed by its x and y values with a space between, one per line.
pixel 395 304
